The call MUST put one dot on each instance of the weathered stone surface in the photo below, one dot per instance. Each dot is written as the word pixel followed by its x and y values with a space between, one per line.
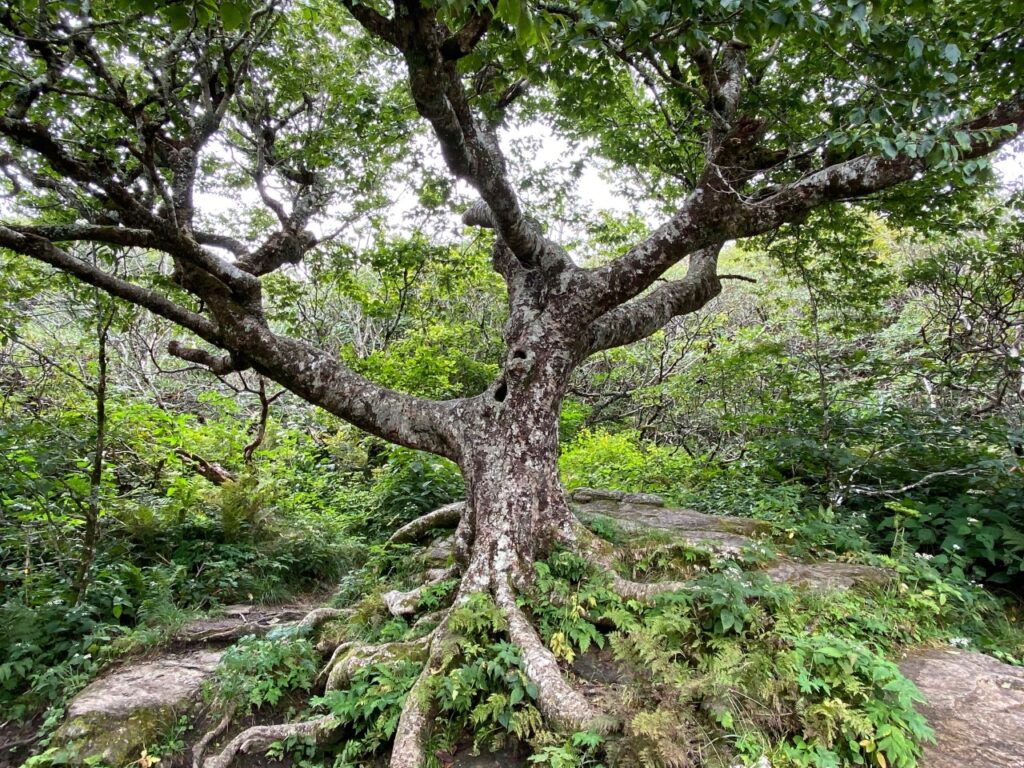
pixel 235 621
pixel 634 512
pixel 115 717
pixel 592 495
pixel 439 551
pixel 827 576
pixel 974 703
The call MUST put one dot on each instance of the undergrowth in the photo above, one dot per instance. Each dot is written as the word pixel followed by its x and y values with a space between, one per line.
pixel 734 669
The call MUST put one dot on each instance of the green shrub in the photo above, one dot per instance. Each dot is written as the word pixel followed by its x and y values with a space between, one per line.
pixel 257 671
pixel 621 461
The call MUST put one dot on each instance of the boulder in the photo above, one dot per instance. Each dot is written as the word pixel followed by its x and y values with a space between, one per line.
pixel 826 576
pixel 115 717
pixel 638 511
pixel 439 552
pixel 974 703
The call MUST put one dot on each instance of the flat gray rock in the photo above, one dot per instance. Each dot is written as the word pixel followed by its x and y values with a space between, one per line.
pixel 592 495
pixel 439 551
pixel 118 715
pixel 976 706
pixel 823 577
pixel 634 512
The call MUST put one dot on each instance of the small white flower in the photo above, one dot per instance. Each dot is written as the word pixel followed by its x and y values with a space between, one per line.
pixel 956 547
pixel 973 520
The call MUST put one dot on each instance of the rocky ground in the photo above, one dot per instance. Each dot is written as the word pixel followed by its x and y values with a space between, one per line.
pixel 974 703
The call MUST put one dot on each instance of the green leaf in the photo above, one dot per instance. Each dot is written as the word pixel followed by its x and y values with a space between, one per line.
pixel 178 16
pixel 234 15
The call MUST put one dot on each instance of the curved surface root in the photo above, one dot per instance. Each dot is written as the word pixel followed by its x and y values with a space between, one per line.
pixel 260 737
pixel 349 658
pixel 318 616
pixel 561 705
pixel 409 748
pixel 200 747
pixel 405 603
pixel 602 553
pixel 447 516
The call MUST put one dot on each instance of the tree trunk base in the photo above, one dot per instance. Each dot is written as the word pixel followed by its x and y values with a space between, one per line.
pixel 562 705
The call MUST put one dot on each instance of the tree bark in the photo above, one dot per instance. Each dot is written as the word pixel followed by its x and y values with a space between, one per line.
pixel 91 509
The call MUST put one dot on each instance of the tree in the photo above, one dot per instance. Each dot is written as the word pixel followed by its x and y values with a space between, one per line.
pixel 738 116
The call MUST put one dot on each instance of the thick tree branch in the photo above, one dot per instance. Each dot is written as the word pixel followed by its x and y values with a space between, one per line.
pixel 219 365
pixel 279 249
pixel 469 146
pixel 711 215
pixel 237 247
pixel 638 319
pixel 313 374
pixel 464 41
pixel 43 250
pixel 320 378
pixel 98 181
pixel 372 21
pixel 96 233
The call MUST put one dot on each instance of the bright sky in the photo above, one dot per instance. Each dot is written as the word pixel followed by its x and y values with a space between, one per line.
pixel 593 189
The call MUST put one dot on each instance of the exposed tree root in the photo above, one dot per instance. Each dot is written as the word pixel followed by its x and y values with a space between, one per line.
pixel 645 591
pixel 200 746
pixel 434 617
pixel 405 603
pixel 222 635
pixel 561 705
pixel 312 620
pixel 337 653
pixel 342 666
pixel 602 553
pixel 260 737
pixel 409 748
pixel 257 621
pixel 447 516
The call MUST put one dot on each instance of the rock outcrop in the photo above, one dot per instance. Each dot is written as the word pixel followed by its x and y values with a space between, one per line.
pixel 132 707
pixel 135 705
pixel 723 535
pixel 974 703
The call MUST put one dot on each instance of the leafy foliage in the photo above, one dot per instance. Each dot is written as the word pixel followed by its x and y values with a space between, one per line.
pixel 258 671
pixel 370 707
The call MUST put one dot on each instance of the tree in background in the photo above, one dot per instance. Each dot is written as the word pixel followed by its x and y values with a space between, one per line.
pixel 736 116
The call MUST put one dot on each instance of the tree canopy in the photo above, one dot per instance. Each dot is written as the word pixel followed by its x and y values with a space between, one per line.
pixel 298 188
pixel 733 118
